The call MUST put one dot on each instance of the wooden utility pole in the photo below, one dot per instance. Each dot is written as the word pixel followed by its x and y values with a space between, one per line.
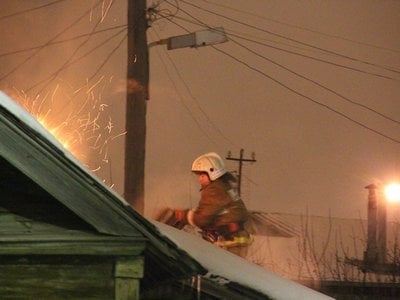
pixel 137 95
pixel 240 159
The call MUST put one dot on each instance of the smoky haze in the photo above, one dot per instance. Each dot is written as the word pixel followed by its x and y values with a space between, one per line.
pixel 284 87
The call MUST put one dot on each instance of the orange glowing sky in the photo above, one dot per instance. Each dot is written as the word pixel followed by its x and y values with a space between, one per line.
pixel 239 94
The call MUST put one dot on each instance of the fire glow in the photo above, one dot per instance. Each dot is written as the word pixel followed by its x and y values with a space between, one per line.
pixel 78 120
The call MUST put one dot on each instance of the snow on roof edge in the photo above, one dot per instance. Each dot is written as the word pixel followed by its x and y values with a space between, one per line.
pixel 224 266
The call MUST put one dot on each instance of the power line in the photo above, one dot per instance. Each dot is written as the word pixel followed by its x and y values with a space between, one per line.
pixel 50 41
pixel 241 34
pixel 61 41
pixel 68 64
pixel 288 51
pixel 343 115
pixel 108 57
pixel 208 119
pixel 317 59
pixel 307 97
pixel 189 90
pixel 320 50
pixel 319 84
pixel 154 11
pixel 300 75
pixel 65 64
pixel 183 102
pixel 301 28
pixel 288 38
pixel 29 10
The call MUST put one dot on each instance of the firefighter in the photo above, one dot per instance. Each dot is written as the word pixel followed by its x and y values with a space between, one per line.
pixel 221 215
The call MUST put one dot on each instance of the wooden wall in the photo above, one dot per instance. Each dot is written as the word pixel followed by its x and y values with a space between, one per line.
pixel 69 277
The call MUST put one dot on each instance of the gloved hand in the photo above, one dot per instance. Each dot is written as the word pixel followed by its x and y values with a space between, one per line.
pixel 180 218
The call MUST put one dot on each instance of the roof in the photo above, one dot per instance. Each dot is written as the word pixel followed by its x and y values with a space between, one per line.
pixel 225 268
pixel 47 168
pixel 34 156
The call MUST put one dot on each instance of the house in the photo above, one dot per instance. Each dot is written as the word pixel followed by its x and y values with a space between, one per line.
pixel 65 235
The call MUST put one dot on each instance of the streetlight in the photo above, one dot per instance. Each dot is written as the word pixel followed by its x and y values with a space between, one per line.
pixel 196 39
pixel 377 219
pixel 392 192
pixel 374 259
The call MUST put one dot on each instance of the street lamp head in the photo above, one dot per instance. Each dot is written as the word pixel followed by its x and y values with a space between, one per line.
pixel 210 36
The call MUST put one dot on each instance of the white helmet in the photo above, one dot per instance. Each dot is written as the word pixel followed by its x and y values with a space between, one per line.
pixel 210 163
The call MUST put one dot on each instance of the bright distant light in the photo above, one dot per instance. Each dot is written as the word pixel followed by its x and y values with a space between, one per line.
pixel 392 192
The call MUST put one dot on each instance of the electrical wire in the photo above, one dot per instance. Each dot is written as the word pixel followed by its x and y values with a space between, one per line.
pixel 316 59
pixel 30 10
pixel 199 107
pixel 252 37
pixel 288 51
pixel 301 28
pixel 318 84
pixel 153 12
pixel 307 97
pixel 80 58
pixel 310 99
pixel 50 41
pixel 85 55
pixel 208 119
pixel 108 57
pixel 69 59
pixel 183 102
pixel 290 39
pixel 300 75
pixel 61 41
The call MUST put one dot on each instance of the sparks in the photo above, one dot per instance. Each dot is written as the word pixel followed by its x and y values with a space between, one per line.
pixel 78 120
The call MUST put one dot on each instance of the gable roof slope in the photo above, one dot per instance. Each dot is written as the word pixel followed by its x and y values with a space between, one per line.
pixel 31 149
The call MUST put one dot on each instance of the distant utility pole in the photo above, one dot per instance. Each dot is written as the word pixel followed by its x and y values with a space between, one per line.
pixel 240 160
pixel 137 95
